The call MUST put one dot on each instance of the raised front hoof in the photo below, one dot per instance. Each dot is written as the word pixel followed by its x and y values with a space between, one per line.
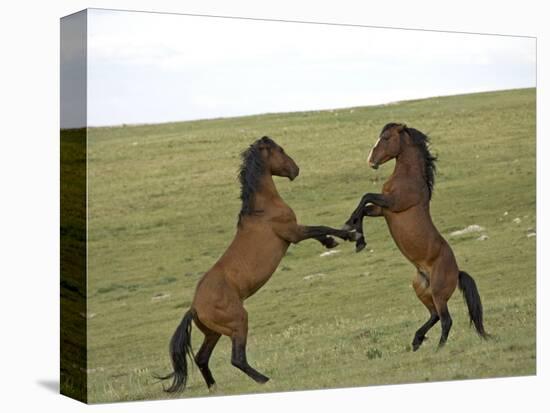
pixel 360 244
pixel 330 243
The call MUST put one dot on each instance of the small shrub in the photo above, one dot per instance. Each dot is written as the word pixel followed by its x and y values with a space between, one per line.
pixel 374 353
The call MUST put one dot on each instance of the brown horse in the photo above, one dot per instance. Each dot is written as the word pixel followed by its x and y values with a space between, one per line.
pixel 266 227
pixel 405 204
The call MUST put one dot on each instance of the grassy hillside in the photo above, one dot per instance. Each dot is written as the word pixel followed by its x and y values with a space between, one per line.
pixel 163 203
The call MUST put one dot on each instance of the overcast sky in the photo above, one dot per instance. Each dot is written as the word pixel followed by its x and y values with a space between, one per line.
pixel 152 68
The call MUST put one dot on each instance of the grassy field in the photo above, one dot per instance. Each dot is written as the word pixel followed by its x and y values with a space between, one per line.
pixel 163 201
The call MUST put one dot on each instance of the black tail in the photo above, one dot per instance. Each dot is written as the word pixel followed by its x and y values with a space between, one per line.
pixel 180 348
pixel 469 290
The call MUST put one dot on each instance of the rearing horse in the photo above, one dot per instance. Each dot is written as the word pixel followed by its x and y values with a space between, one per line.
pixel 405 204
pixel 266 228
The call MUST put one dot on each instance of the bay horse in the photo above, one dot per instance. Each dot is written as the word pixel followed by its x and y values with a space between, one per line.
pixel 266 227
pixel 405 204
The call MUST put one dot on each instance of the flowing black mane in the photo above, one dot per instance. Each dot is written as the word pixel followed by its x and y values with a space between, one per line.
pixel 422 142
pixel 250 172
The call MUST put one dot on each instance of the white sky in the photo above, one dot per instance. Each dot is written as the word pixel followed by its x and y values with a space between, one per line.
pixel 151 68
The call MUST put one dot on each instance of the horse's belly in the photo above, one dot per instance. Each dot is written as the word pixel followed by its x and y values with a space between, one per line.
pixel 251 264
pixel 412 235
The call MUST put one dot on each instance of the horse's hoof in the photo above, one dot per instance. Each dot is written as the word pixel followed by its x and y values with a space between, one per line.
pixel 417 342
pixel 262 380
pixel 213 388
pixel 331 243
pixel 360 244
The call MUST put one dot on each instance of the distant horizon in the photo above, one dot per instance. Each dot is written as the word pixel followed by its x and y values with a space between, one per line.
pixel 123 125
pixel 151 68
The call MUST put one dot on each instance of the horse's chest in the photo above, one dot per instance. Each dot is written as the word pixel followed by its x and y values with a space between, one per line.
pixel 388 186
pixel 283 215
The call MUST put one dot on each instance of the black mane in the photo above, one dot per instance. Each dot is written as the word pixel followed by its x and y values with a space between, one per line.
pixel 250 172
pixel 422 142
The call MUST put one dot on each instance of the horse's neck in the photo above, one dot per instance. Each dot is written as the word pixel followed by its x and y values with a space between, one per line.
pixel 409 162
pixel 266 193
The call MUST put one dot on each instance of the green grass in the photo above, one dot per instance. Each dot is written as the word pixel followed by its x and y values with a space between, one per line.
pixel 163 201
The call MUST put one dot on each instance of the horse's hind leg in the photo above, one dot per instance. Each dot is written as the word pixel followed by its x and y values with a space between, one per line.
pixel 238 351
pixel 446 320
pixel 422 289
pixel 444 279
pixel 420 334
pixel 442 290
pixel 203 356
pixel 238 359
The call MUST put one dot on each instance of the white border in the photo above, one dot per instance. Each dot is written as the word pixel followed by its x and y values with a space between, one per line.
pixel 29 76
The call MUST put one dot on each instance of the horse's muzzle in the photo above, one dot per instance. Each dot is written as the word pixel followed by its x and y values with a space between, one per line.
pixel 372 163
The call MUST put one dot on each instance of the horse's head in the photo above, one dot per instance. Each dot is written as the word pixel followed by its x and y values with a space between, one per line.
pixel 276 161
pixel 388 145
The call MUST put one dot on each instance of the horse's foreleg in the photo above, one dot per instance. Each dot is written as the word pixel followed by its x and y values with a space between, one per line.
pixel 357 227
pixel 295 233
pixel 374 209
pixel 323 234
pixel 376 203
pixel 369 210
